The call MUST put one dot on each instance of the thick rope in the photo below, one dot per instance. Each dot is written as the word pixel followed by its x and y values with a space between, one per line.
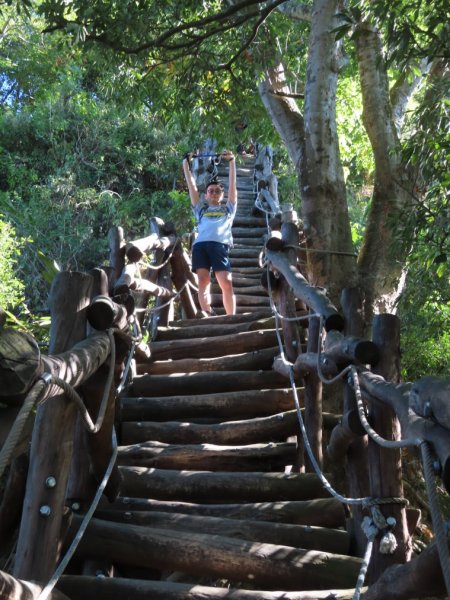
pixel 34 396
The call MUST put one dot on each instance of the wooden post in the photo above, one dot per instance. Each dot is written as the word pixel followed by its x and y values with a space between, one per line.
pixel 116 252
pixel 52 440
pixel 385 473
pixel 356 465
pixel 313 399
pixel 180 268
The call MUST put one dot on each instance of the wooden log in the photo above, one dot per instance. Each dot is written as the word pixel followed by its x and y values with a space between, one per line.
pixel 12 501
pixel 258 359
pixel 207 347
pixel 313 401
pixel 352 302
pixel 20 364
pixel 211 487
pixel 385 466
pixel 250 431
pixel 135 250
pixel 419 578
pixel 298 536
pixel 181 271
pixel 52 440
pixel 92 588
pixel 348 430
pixel 227 405
pixel 196 383
pixel 246 317
pixel 306 363
pixel 321 512
pixel 242 299
pixel 219 556
pixel 275 241
pixel 128 281
pixel 116 253
pixel 210 457
pixel 311 296
pixel 209 328
pixel 430 397
pixel 350 349
pixel 17 589
pixel 103 313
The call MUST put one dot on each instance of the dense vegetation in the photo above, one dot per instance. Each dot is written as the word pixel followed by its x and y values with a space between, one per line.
pixel 92 134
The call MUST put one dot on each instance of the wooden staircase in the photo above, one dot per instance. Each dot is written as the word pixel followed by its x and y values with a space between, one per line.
pixel 210 507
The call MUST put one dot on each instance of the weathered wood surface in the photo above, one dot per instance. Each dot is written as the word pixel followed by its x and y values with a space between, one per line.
pixel 207 347
pixel 92 588
pixel 130 280
pixel 136 249
pixel 20 364
pixel 209 327
pixel 196 383
pixel 181 274
pixel 249 431
pixel 116 253
pixel 430 398
pixel 245 317
pixel 11 502
pixel 311 296
pixel 320 512
pixel 257 359
pixel 210 457
pixel 103 313
pixel 211 487
pixel 17 589
pixel 219 556
pixel 305 364
pixel 298 536
pixel 55 421
pixel 240 404
pixel 350 349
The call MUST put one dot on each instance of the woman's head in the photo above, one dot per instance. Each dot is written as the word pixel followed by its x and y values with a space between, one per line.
pixel 214 191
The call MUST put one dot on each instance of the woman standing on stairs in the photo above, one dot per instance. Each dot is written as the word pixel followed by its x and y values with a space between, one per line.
pixel 211 246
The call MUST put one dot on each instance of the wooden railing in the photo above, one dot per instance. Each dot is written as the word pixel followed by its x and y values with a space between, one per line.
pixel 98 317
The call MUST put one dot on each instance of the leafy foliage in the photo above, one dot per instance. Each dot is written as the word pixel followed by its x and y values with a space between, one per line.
pixel 11 288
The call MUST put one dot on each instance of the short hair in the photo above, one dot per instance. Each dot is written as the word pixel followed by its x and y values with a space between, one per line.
pixel 215 181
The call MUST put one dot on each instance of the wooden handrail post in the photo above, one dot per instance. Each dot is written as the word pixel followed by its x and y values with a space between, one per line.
pixel 52 440
pixel 385 472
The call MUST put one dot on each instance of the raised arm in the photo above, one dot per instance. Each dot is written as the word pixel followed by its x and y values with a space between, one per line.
pixel 232 188
pixel 191 183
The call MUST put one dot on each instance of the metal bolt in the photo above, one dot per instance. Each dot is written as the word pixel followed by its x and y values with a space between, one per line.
pixel 427 410
pixel 45 510
pixel 76 506
pixel 127 515
pixel 437 467
pixel 50 482
pixel 391 521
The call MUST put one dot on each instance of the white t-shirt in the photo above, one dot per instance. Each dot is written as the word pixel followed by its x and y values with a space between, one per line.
pixel 215 222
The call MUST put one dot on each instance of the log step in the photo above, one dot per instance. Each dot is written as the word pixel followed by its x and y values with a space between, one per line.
pixel 215 486
pixel 210 327
pixel 207 347
pixel 210 457
pixel 274 428
pixel 94 588
pixel 196 383
pixel 217 556
pixel 320 512
pixel 258 359
pixel 240 404
pixel 324 539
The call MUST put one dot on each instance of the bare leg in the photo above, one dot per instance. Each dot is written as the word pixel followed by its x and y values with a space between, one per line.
pixel 204 289
pixel 224 279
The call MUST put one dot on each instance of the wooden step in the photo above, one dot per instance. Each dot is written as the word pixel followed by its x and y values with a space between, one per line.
pixel 226 405
pixel 274 428
pixel 319 512
pixel 212 487
pixel 118 588
pixel 196 383
pixel 258 359
pixel 207 347
pixel 211 457
pixel 298 536
pixel 211 327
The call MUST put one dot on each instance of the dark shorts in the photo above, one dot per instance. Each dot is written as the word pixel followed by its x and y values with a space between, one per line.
pixel 210 255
